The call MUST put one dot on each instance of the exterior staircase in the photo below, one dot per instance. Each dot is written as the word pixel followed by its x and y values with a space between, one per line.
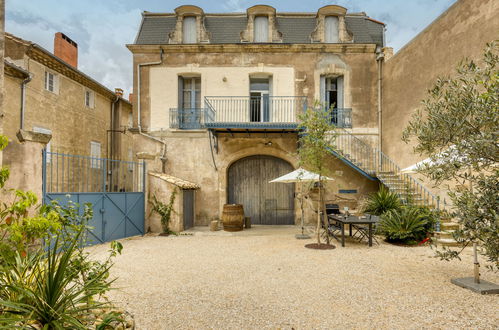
pixel 375 165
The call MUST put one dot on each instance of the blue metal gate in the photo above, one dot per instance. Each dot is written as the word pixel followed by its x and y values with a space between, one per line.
pixel 114 189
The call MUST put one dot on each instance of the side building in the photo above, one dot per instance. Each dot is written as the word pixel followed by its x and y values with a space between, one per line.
pixel 225 92
pixel 51 104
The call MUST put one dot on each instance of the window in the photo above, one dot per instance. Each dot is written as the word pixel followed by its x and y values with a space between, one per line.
pixel 89 98
pixel 95 154
pixel 259 99
pixel 261 29
pixel 130 119
pixel 332 98
pixel 189 93
pixel 189 35
pixel 48 146
pixel 331 29
pixel 130 158
pixel 51 82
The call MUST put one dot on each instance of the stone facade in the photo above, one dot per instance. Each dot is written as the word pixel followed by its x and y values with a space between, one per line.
pixel 225 70
pixel 63 112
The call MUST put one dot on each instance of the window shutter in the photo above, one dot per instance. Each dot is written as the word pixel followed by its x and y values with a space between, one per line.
pixel 189 34
pixel 339 86
pixel 180 92
pixel 331 29
pixel 323 90
pixel 261 29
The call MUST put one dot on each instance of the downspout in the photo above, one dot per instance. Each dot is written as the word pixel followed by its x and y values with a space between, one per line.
pixel 23 99
pixel 111 145
pixel 140 65
pixel 139 121
pixel 380 56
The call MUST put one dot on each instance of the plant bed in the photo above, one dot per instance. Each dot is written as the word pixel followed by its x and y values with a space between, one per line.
pixel 321 246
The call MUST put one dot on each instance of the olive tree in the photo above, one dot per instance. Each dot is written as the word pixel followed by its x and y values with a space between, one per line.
pixel 316 141
pixel 458 126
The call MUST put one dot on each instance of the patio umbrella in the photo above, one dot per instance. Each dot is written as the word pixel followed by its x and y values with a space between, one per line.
pixel 300 175
pixel 428 161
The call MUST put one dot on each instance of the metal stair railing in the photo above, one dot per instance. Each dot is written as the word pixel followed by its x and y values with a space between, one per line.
pixel 375 162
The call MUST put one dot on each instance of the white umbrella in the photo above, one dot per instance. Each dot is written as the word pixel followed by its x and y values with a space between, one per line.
pixel 451 151
pixel 300 175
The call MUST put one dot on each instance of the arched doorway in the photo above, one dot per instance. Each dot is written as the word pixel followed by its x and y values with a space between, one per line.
pixel 266 203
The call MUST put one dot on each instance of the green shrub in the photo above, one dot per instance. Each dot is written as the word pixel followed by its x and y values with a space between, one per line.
pixel 382 201
pixel 56 288
pixel 408 223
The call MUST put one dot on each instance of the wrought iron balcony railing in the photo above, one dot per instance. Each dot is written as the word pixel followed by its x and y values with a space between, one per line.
pixel 253 111
pixel 342 117
pixel 191 118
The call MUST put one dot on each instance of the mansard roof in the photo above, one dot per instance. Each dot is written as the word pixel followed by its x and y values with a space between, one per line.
pixel 226 28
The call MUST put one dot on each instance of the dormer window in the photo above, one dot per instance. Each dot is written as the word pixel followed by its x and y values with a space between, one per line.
pixel 261 29
pixel 331 29
pixel 189 35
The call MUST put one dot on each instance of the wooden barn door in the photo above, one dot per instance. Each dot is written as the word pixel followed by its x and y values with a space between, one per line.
pixel 266 203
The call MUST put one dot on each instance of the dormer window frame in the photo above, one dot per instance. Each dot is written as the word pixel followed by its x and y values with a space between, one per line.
pixel 188 12
pixel 187 20
pixel 264 30
pixel 273 35
pixel 319 34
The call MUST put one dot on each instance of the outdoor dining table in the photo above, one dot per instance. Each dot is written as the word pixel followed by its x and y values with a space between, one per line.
pixel 353 220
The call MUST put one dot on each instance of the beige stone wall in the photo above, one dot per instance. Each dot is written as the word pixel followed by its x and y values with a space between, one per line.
pixel 295 74
pixel 462 31
pixel 2 43
pixel 163 190
pixel 189 158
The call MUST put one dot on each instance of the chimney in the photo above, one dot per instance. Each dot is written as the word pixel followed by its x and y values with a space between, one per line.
pixel 118 92
pixel 66 49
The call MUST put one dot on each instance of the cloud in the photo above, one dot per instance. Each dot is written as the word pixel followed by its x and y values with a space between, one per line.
pixel 103 28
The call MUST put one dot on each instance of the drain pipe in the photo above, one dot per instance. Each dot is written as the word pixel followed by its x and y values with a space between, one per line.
pixel 140 65
pixel 380 56
pixel 23 99
pixel 139 120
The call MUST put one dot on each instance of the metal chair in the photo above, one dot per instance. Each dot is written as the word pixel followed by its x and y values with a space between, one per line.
pixel 363 230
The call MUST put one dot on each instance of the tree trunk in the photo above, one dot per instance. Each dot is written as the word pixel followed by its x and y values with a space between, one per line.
pixel 319 214
pixel 324 215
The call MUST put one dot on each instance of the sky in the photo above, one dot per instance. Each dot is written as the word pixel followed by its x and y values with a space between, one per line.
pixel 102 28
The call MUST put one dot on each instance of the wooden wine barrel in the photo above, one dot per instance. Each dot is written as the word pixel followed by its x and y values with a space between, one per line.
pixel 233 217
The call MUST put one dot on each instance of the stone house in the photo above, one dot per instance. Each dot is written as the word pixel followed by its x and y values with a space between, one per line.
pixel 225 91
pixel 51 104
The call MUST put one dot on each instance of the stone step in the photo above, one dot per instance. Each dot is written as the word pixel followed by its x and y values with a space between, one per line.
pixel 447 242
pixel 445 234
pixel 449 225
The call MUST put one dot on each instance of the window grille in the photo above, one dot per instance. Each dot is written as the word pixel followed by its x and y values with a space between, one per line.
pixel 95 154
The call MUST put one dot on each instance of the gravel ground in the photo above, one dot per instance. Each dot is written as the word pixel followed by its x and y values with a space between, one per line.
pixel 265 278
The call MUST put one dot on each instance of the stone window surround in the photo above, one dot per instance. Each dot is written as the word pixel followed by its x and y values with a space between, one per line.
pixel 319 34
pixel 202 36
pixel 261 10
pixel 334 71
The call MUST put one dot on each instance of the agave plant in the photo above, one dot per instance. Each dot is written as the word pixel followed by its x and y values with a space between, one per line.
pixel 382 201
pixel 46 290
pixel 404 224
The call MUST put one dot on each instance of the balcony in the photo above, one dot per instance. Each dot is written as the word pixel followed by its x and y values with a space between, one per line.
pixel 342 117
pixel 253 112
pixel 192 118
pixel 250 113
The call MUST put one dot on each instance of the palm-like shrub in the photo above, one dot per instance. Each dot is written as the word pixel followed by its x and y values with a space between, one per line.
pixel 405 224
pixel 382 201
pixel 46 289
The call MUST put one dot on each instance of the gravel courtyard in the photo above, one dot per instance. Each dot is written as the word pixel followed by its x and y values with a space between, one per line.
pixel 265 278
